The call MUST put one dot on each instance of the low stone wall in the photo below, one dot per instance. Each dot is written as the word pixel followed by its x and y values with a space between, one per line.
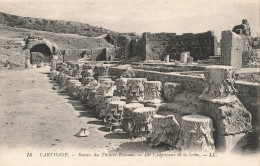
pixel 189 83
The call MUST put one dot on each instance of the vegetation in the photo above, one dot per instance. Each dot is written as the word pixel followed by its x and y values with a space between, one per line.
pixel 57 26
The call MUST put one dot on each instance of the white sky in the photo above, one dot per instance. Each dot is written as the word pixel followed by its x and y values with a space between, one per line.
pixel 178 16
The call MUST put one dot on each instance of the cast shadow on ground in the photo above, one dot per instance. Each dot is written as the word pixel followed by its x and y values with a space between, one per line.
pixel 120 135
pixel 137 147
pixel 103 128
pixel 96 122
pixel 78 106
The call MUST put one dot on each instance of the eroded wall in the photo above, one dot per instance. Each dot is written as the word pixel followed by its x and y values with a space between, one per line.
pixel 201 45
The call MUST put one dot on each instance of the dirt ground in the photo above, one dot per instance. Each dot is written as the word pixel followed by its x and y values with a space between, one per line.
pixel 33 115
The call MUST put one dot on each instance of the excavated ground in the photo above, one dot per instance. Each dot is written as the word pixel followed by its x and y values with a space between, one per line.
pixel 33 115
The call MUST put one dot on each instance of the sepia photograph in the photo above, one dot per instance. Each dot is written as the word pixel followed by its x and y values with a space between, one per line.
pixel 129 82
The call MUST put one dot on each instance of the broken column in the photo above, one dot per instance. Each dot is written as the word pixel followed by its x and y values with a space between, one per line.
pixel 90 93
pixel 114 114
pixel 167 58
pixel 121 88
pixel 171 89
pixel 142 121
pixel 104 105
pixel 196 134
pixel 127 116
pixel 115 111
pixel 135 90
pixel 184 57
pixel 165 130
pixel 153 91
pixel 106 89
pixel 219 102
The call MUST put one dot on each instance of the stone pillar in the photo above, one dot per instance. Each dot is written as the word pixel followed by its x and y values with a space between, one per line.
pixel 184 57
pixel 127 116
pixel 27 56
pixel 196 134
pixel 165 130
pixel 135 90
pixel 232 46
pixel 167 58
pixel 142 121
pixel 220 103
pixel 153 91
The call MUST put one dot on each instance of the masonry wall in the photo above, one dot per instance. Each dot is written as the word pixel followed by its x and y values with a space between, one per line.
pixel 157 45
pixel 97 54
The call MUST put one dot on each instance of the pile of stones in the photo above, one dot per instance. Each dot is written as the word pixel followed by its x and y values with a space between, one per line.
pixel 131 104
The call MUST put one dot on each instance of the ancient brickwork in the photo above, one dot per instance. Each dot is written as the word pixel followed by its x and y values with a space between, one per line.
pixel 200 46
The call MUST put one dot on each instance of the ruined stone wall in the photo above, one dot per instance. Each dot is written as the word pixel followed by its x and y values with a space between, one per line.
pixel 123 44
pixel 75 54
pixel 248 93
pixel 201 45
pixel 137 49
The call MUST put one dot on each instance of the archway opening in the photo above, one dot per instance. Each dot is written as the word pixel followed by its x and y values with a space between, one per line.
pixel 40 53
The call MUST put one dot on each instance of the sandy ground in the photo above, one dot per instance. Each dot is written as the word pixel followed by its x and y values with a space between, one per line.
pixel 33 115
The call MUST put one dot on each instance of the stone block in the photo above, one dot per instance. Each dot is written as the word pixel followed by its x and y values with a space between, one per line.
pixel 121 88
pixel 231 143
pixel 135 90
pixel 153 91
pixel 219 84
pixel 232 46
pixel 171 89
pixel 228 118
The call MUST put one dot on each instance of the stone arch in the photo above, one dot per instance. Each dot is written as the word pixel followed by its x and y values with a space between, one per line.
pixel 40 53
pixel 40 50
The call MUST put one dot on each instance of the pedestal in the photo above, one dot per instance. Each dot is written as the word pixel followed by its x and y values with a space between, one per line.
pixel 165 130
pixel 142 121
pixel 127 116
pixel 196 134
